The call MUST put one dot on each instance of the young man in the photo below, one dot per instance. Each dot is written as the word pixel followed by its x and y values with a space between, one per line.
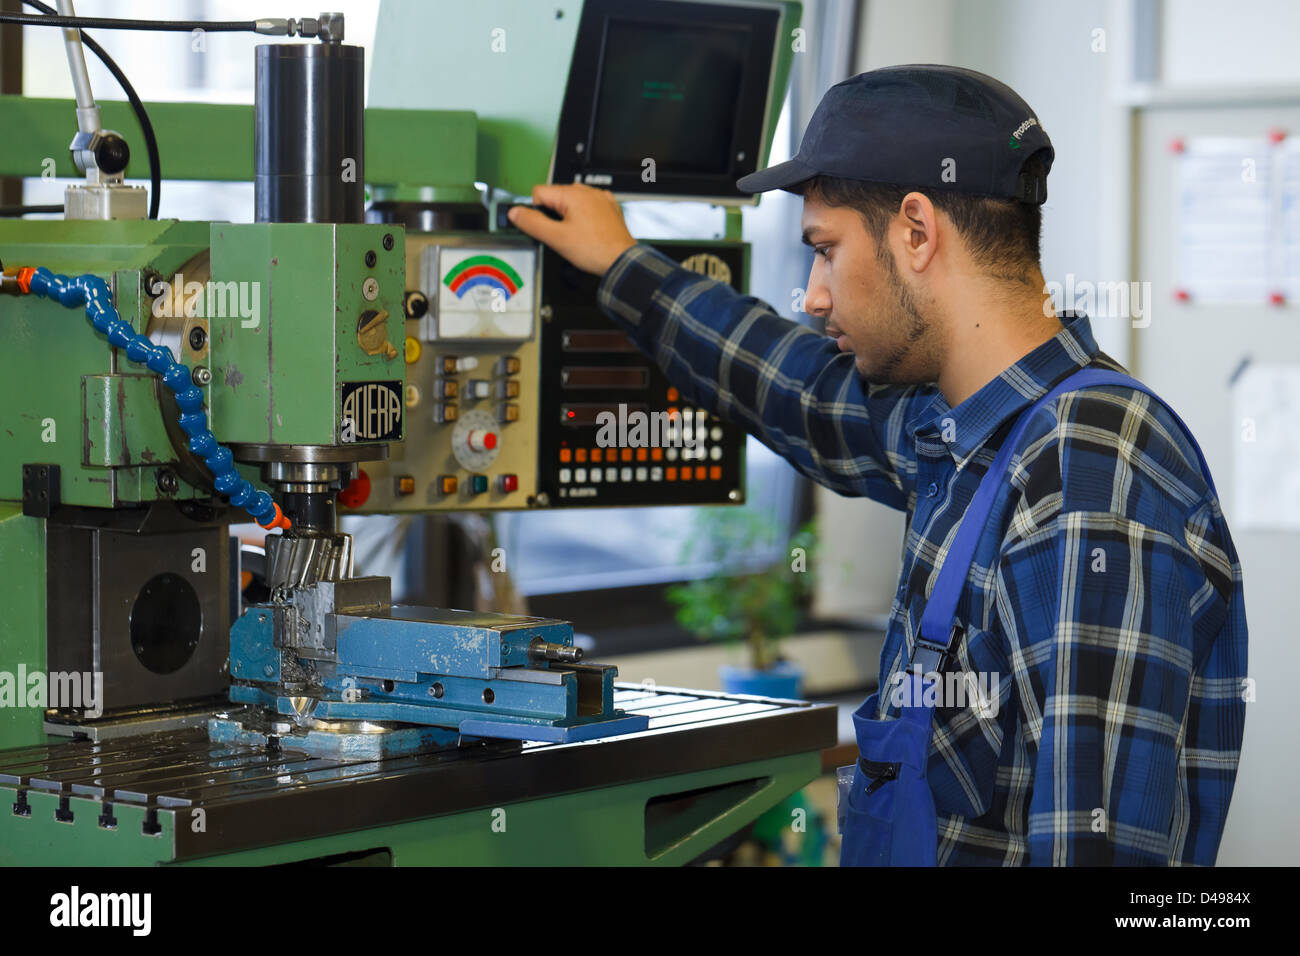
pixel 1103 608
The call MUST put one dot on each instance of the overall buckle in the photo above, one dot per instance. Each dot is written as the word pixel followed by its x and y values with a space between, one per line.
pixel 932 656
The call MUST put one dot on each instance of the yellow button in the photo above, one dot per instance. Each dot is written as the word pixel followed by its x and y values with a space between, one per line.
pixel 413 350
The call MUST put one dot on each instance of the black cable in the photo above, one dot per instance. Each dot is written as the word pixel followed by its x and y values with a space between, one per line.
pixel 12 212
pixel 112 23
pixel 141 114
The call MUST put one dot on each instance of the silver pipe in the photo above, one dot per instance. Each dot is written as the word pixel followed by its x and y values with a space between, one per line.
pixel 87 109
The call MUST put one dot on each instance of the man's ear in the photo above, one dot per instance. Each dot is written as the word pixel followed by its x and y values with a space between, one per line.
pixel 919 224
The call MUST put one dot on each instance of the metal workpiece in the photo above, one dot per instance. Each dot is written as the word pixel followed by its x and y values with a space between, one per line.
pixel 745 753
pixel 309 133
pixel 308 626
pixel 339 739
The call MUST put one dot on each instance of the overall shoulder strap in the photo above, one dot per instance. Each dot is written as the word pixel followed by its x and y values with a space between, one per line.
pixel 939 628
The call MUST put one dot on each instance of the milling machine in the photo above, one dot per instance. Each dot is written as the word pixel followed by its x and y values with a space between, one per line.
pixel 162 377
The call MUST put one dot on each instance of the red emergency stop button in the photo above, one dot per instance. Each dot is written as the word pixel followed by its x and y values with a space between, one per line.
pixel 357 492
pixel 480 439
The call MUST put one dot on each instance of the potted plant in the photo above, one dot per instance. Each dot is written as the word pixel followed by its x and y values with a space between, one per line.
pixel 757 605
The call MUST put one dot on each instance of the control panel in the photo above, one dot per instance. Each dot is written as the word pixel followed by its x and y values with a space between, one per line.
pixel 472 368
pixel 613 431
pixel 520 393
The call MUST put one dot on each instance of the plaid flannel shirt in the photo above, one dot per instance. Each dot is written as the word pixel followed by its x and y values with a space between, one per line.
pixel 1104 602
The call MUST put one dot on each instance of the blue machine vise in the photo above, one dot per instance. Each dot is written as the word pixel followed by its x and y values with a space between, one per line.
pixel 347 671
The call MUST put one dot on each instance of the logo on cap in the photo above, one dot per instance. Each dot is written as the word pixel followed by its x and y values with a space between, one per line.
pixel 1014 142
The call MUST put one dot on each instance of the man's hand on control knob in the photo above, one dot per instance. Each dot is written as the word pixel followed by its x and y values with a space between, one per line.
pixel 591 234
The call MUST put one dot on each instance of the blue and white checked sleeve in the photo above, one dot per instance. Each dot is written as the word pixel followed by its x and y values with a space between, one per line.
pixel 734 356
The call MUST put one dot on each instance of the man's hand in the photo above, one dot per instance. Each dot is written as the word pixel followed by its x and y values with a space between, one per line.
pixel 592 233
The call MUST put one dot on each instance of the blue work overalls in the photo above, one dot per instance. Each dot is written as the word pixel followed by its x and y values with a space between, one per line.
pixel 887 813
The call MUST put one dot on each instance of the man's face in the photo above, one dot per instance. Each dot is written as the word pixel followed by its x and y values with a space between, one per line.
pixel 869 309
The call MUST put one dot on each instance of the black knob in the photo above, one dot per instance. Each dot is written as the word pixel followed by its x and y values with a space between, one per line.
pixel 112 154
pixel 415 304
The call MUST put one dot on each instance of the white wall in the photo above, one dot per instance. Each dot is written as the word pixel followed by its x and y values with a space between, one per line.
pixel 1207 43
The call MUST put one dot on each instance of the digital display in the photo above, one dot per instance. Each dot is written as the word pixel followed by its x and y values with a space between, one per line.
pixel 578 414
pixel 668 93
pixel 596 340
pixel 605 377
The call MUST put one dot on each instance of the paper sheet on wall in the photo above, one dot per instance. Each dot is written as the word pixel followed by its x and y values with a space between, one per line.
pixel 1266 400
pixel 1288 173
pixel 1227 219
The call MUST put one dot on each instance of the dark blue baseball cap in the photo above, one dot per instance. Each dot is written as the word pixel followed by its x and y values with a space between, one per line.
pixel 920 125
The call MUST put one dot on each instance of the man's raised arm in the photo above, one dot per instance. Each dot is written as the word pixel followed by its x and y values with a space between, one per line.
pixel 732 355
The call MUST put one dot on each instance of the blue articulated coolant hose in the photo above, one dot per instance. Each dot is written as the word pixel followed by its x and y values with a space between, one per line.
pixel 92 292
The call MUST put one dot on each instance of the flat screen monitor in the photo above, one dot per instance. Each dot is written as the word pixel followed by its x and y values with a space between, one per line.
pixel 667 99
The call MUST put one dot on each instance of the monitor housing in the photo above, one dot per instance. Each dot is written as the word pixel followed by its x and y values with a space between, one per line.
pixel 667 99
